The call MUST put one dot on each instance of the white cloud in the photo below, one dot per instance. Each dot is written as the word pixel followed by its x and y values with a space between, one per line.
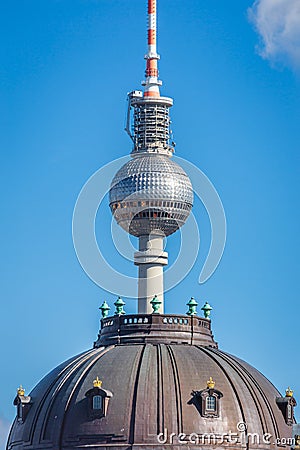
pixel 4 429
pixel 278 24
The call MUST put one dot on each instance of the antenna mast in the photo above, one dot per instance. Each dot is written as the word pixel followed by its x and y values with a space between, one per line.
pixel 149 112
pixel 152 83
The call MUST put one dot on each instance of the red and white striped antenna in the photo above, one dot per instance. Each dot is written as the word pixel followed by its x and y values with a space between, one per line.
pixel 152 83
pixel 149 112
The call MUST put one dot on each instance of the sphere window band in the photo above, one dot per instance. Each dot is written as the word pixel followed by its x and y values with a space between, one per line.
pixel 161 203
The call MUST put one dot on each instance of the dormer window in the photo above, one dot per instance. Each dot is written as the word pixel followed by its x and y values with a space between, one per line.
pixel 20 415
pixel 286 405
pixel 98 399
pixel 297 441
pixel 210 403
pixel 22 402
pixel 207 401
pixel 97 402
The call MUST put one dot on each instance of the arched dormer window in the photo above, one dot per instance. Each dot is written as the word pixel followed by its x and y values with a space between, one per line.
pixel 207 401
pixel 97 402
pixel 210 403
pixel 286 405
pixel 289 412
pixel 98 399
pixel 23 403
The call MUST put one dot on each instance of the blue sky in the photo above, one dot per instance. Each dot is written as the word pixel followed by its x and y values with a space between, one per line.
pixel 66 67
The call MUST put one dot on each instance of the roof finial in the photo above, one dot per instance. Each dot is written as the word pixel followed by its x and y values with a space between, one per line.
pixel 119 304
pixel 289 392
pixel 97 383
pixel 210 383
pixel 104 309
pixel 156 302
pixel 206 310
pixel 21 391
pixel 151 83
pixel 192 304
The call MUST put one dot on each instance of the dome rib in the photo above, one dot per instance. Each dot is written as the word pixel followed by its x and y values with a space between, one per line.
pixel 251 391
pixel 253 395
pixel 249 380
pixel 48 432
pixel 160 390
pixel 177 389
pixel 37 415
pixel 134 397
pixel 81 376
pixel 228 377
pixel 262 394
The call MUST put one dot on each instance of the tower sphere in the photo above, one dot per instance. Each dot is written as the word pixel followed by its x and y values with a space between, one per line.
pixel 151 193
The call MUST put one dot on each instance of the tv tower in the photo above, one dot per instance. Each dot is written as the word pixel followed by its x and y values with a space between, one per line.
pixel 150 196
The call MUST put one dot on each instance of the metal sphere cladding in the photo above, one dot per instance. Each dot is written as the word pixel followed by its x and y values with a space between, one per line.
pixel 151 193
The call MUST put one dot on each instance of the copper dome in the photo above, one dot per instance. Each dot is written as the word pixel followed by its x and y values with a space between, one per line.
pixel 152 386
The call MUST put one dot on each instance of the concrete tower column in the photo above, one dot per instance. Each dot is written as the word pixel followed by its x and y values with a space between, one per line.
pixel 150 259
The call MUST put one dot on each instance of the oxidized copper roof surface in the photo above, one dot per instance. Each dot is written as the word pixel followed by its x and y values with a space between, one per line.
pixel 151 385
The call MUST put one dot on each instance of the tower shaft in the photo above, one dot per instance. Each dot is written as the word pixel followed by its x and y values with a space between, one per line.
pixel 150 259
